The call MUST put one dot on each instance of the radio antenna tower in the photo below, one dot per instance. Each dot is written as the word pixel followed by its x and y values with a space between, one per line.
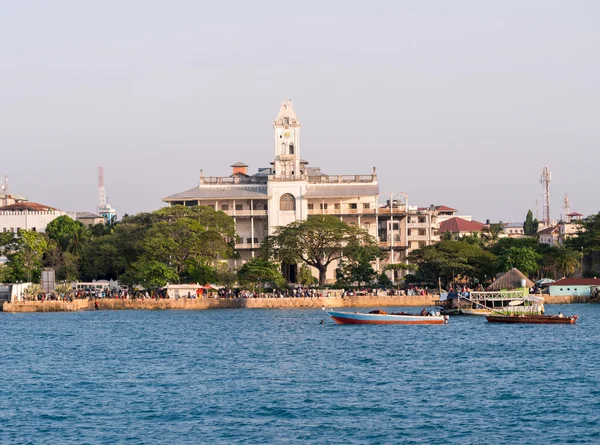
pixel 101 191
pixel 545 181
pixel 567 207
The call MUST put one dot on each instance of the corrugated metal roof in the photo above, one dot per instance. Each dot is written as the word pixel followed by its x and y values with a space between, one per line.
pixel 219 193
pixel 327 191
pixel 577 282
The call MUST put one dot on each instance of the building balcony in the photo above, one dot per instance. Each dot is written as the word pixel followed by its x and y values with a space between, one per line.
pixel 246 246
pixel 245 213
pixel 419 238
pixel 341 212
pixel 400 211
pixel 392 245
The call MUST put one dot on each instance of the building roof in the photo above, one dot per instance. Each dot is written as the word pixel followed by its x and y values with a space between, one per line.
pixel 510 280
pixel 219 193
pixel 577 282
pixel 459 225
pixel 239 164
pixel 24 206
pixel 574 214
pixel 87 215
pixel 443 208
pixel 327 191
pixel 517 225
pixel 548 230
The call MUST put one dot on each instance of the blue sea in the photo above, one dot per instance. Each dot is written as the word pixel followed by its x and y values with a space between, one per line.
pixel 280 377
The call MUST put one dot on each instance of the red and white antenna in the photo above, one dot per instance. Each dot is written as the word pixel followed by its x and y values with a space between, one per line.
pixel 101 191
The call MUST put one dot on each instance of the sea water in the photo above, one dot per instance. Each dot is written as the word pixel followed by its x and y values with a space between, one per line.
pixel 280 376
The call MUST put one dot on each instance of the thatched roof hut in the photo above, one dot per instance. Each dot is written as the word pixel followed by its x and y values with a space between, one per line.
pixel 510 280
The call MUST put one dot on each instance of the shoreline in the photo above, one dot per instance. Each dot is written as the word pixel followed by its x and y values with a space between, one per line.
pixel 245 303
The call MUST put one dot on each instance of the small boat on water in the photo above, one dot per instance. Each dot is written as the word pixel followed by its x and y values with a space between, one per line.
pixel 382 317
pixel 531 318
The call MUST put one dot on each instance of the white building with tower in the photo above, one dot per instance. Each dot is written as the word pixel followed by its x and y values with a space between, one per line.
pixel 290 190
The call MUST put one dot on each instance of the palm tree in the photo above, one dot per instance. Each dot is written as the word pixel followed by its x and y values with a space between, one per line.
pixel 566 260
pixel 32 290
pixel 492 233
pixel 77 241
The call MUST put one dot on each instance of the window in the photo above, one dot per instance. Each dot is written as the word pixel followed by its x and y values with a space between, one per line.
pixel 323 206
pixel 421 244
pixel 286 120
pixel 225 207
pixel 409 232
pixel 287 202
pixel 395 226
pixel 422 219
pixel 283 148
pixel 291 149
pixel 239 206
pixel 337 206
pixel 421 232
pixel 310 206
pixel 353 206
pixel 366 205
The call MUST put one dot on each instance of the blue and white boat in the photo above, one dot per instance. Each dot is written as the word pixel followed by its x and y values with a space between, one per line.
pixel 382 317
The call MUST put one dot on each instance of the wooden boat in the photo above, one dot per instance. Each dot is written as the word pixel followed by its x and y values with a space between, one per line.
pixel 531 318
pixel 381 317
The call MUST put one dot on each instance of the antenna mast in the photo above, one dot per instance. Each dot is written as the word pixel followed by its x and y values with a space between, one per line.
pixel 545 181
pixel 567 207
pixel 101 192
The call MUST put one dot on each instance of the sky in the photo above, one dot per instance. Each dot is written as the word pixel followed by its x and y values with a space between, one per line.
pixel 457 103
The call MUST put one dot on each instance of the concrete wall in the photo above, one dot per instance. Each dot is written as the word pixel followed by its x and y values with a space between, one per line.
pixel 247 303
pixel 221 303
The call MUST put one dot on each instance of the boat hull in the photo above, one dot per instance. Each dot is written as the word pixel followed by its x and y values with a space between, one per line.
pixel 534 319
pixel 362 318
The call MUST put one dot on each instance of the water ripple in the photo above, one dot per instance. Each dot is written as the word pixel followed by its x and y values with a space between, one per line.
pixel 278 376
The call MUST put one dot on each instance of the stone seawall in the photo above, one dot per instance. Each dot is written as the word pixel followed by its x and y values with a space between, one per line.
pixel 246 303
pixel 221 303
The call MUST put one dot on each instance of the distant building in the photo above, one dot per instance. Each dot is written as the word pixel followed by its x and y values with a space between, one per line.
pixel 574 286
pixel 549 236
pixel 25 215
pixel 290 190
pixel 460 227
pixel 88 219
pixel 513 230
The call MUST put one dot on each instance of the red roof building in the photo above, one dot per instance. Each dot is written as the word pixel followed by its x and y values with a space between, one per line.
pixel 26 206
pixel 459 226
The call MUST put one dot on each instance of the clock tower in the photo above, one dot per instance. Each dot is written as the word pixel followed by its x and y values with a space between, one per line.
pixel 287 143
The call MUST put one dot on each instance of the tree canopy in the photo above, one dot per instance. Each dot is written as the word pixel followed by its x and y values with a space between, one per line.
pixel 317 242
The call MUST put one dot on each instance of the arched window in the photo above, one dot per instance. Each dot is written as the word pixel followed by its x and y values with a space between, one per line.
pixel 291 149
pixel 283 148
pixel 287 202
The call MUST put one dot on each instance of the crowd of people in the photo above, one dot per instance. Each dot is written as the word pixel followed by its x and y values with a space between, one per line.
pixel 200 292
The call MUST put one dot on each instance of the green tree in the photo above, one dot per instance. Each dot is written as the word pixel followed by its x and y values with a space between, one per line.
pixel 62 230
pixel 450 259
pixel 565 260
pixel 530 226
pixel 305 276
pixel 149 274
pixel 31 249
pixel 316 242
pixel 76 240
pixel 258 271
pixel 526 259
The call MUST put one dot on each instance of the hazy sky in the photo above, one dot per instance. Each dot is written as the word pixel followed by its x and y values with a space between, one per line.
pixel 455 102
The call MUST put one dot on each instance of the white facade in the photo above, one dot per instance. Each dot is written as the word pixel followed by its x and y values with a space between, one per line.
pixel 291 191
pixel 13 221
